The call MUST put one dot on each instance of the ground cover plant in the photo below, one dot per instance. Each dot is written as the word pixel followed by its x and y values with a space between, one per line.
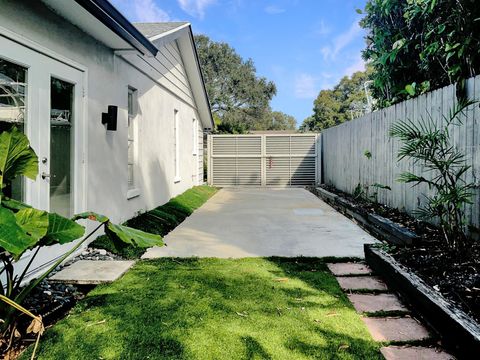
pixel 257 308
pixel 160 220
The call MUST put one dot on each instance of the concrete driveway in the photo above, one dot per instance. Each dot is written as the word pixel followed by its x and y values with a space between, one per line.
pixel 264 222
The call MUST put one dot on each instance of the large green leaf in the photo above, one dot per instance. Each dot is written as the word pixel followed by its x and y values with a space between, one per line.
pixel 14 205
pixel 34 222
pixel 133 236
pixel 16 156
pixel 12 237
pixel 62 230
pixel 90 215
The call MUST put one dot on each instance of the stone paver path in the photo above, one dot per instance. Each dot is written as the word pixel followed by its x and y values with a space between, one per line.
pixel 396 329
pixel 343 269
pixel 369 295
pixel 368 303
pixel 414 353
pixel 361 283
pixel 92 272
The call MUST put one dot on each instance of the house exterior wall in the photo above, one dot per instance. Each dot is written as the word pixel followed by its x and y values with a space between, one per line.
pixel 162 88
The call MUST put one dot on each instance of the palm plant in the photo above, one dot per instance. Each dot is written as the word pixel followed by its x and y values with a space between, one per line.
pixel 430 144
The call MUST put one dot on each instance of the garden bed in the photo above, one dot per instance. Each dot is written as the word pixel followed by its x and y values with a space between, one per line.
pixel 458 331
pixel 457 279
pixel 381 223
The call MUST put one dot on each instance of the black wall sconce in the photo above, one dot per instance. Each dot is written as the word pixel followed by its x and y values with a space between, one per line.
pixel 110 118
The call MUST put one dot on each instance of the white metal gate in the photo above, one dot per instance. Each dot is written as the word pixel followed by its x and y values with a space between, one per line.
pixel 262 160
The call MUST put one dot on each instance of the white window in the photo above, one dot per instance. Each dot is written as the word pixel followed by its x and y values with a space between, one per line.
pixel 195 136
pixel 176 144
pixel 132 141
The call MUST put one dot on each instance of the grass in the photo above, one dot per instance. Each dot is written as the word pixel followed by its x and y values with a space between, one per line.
pixel 160 220
pixel 257 308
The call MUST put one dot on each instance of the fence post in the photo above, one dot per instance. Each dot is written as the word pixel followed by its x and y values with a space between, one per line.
pixel 209 160
pixel 263 160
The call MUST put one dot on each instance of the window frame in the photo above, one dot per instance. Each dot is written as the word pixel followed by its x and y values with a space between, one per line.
pixel 195 137
pixel 21 125
pixel 132 142
pixel 176 146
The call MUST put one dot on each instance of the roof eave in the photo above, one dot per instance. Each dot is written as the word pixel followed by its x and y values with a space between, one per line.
pixel 192 39
pixel 108 15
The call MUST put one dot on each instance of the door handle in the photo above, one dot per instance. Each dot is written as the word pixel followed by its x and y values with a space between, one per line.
pixel 45 176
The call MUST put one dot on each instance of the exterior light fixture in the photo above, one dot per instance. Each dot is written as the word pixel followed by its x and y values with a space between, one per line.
pixel 110 118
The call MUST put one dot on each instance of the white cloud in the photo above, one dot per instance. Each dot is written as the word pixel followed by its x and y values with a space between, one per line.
pixel 195 8
pixel 358 65
pixel 321 29
pixel 341 42
pixel 305 86
pixel 274 10
pixel 148 11
pixel 326 51
pixel 141 10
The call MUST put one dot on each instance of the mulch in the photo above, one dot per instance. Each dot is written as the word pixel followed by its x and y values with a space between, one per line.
pixel 455 276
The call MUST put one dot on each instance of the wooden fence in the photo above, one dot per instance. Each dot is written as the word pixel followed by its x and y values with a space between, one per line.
pixel 345 164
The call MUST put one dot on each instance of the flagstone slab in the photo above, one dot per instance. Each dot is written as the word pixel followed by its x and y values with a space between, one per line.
pixel 341 269
pixel 369 303
pixel 361 283
pixel 414 353
pixel 396 329
pixel 90 272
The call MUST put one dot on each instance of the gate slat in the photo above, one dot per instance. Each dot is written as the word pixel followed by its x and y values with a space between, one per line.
pixel 253 160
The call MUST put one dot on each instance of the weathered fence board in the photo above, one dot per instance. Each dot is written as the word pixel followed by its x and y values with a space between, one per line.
pixel 343 149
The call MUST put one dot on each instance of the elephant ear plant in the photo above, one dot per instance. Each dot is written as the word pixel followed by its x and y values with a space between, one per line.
pixel 24 228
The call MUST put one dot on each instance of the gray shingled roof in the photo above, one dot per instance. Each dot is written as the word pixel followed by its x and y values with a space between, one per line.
pixel 153 29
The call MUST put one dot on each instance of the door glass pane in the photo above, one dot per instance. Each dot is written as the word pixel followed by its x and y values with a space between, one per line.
pixel 13 88
pixel 61 145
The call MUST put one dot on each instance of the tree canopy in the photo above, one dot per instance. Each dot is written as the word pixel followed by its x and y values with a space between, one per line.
pixel 345 101
pixel 276 120
pixel 239 98
pixel 416 46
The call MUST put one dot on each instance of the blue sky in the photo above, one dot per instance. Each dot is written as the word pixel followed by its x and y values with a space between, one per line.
pixel 304 46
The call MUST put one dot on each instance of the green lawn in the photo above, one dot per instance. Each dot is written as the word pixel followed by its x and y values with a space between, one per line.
pixel 160 220
pixel 259 308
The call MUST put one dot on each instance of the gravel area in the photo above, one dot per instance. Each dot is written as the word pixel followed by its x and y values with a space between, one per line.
pixel 49 298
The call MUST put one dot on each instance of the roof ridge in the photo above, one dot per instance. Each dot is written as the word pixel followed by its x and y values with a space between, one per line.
pixel 154 29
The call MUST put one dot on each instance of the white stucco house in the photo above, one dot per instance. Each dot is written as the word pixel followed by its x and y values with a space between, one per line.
pixel 115 111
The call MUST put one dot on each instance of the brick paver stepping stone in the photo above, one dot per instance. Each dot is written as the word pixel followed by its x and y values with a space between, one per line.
pixel 414 353
pixel 340 269
pixel 368 303
pixel 90 272
pixel 361 283
pixel 396 329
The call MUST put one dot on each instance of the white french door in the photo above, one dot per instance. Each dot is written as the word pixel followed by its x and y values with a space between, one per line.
pixel 52 117
pixel 60 113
